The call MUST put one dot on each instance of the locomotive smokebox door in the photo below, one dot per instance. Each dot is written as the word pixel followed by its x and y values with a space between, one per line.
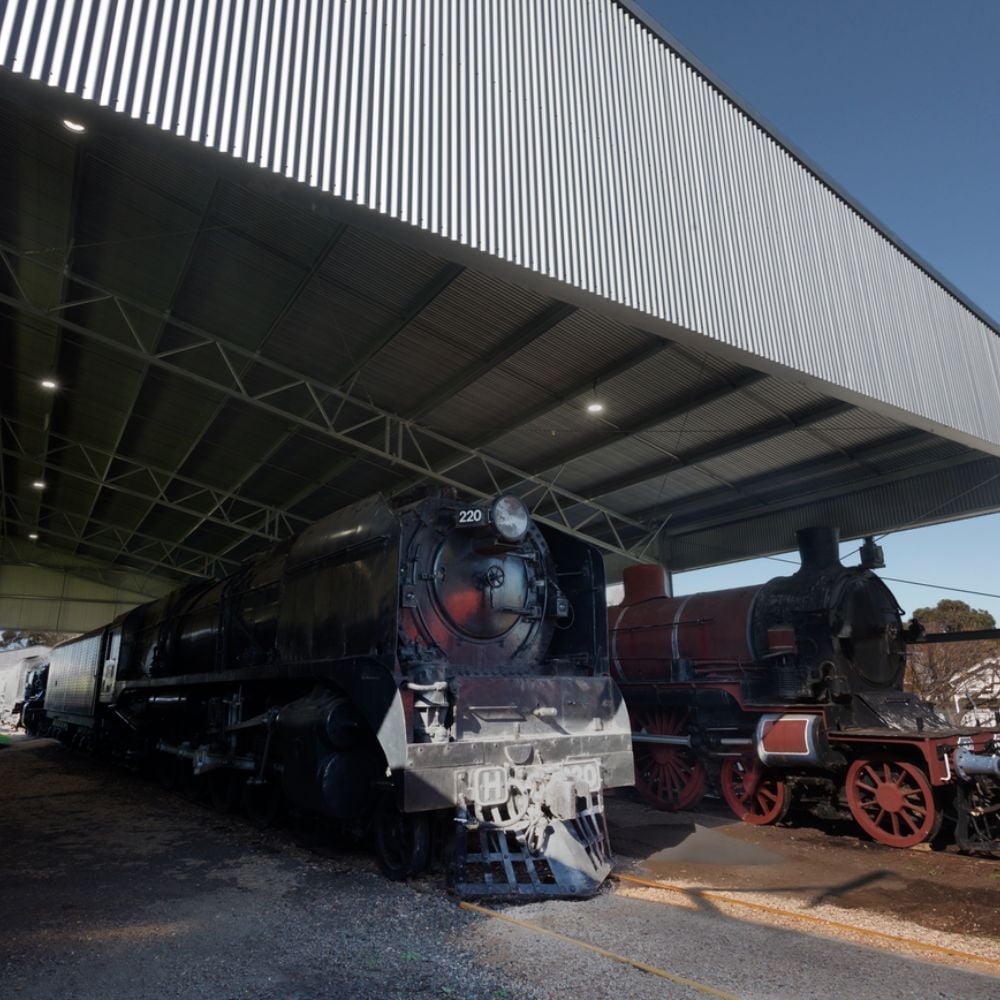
pixel 476 588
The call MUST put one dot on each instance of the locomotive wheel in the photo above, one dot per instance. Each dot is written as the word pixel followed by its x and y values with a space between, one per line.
pixel 892 801
pixel 754 795
pixel 667 777
pixel 402 840
pixel 223 790
pixel 190 785
pixel 167 770
pixel 262 803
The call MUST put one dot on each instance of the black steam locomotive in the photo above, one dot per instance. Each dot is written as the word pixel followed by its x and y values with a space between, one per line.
pixel 393 665
pixel 794 689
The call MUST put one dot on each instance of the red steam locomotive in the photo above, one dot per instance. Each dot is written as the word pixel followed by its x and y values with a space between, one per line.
pixel 792 691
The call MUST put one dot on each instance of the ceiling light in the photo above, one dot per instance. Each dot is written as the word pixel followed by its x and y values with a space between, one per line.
pixel 34 536
pixel 38 484
pixel 73 126
pixel 595 405
pixel 48 383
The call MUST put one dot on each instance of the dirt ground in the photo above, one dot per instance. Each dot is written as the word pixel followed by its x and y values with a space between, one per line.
pixel 810 860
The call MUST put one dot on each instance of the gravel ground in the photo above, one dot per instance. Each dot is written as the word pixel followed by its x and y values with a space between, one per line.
pixel 113 889
pixel 827 870
pixel 740 958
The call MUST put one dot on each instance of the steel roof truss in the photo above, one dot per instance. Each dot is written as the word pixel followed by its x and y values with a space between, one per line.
pixel 391 446
pixel 198 565
pixel 524 335
pixel 654 419
pixel 318 261
pixel 770 429
pixel 137 479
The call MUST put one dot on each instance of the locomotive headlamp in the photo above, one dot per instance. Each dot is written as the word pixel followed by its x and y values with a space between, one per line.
pixel 510 518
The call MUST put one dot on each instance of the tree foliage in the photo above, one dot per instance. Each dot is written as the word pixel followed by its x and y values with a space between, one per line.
pixel 937 672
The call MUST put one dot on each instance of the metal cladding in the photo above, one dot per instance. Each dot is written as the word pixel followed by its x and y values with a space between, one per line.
pixel 569 139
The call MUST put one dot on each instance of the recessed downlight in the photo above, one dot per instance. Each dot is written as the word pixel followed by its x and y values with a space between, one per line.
pixel 33 536
pixel 49 383
pixel 73 126
pixel 595 407
pixel 39 484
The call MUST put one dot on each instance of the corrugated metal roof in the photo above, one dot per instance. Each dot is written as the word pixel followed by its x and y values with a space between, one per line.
pixel 943 494
pixel 317 295
pixel 567 139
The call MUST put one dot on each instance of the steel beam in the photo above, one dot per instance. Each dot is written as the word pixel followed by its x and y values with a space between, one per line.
pixel 294 297
pixel 59 599
pixel 352 422
pixel 141 379
pixel 655 347
pixel 651 420
pixel 793 476
pixel 424 298
pixel 438 284
pixel 680 527
pixel 198 566
pixel 148 482
pixel 519 339
pixel 732 443
pixel 37 555
pixel 527 334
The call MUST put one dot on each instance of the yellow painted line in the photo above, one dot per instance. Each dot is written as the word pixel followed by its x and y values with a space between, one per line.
pixel 614 956
pixel 807 917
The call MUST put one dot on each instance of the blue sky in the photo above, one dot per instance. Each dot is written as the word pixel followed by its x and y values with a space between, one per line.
pixel 898 101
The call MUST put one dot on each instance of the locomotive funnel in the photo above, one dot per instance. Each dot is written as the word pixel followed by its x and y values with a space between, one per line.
pixel 819 548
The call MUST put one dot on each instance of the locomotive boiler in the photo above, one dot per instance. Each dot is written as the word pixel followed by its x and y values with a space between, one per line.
pixel 430 670
pixel 794 689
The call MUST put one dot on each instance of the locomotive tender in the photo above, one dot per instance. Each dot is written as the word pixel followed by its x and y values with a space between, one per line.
pixel 794 689
pixel 436 669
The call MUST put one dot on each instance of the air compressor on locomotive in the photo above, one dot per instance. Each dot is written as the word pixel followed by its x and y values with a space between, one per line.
pixel 793 689
pixel 424 666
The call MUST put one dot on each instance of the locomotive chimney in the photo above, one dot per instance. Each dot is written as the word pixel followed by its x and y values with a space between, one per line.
pixel 643 582
pixel 819 548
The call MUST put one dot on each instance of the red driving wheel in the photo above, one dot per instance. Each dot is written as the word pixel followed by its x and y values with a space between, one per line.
pixel 754 795
pixel 892 801
pixel 667 777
